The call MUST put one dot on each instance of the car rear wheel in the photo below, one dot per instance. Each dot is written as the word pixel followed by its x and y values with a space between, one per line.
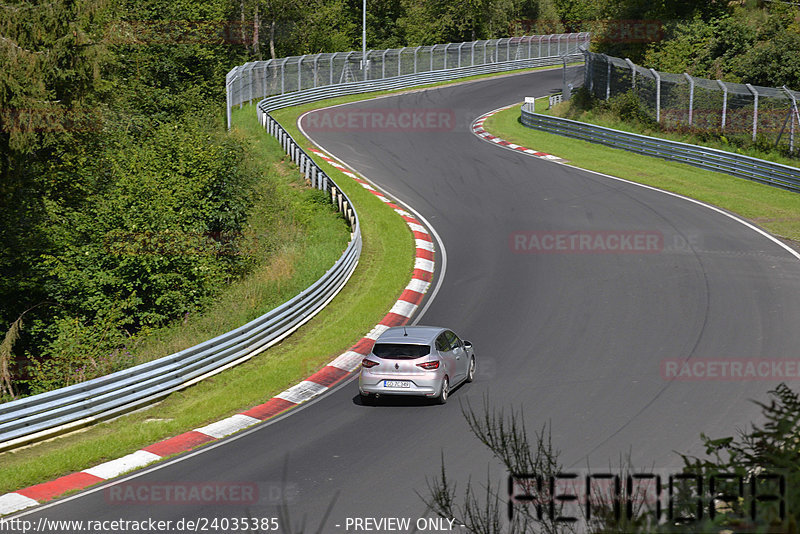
pixel 445 391
pixel 471 370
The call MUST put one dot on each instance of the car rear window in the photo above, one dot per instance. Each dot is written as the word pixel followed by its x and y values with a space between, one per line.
pixel 400 351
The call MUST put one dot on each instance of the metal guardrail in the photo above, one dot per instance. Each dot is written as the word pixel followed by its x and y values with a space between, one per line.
pixel 41 416
pixel 759 170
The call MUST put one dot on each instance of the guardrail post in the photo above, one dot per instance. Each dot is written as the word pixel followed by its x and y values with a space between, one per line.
pixel 755 109
pixel 724 101
pixel 657 76
pixel 691 96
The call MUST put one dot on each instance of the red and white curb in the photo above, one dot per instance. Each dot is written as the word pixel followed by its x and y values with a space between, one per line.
pixel 477 129
pixel 314 385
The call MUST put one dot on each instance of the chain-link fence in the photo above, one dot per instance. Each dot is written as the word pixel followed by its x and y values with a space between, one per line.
pixel 681 101
pixel 259 79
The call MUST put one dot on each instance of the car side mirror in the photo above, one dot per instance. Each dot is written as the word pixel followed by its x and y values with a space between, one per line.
pixel 467 344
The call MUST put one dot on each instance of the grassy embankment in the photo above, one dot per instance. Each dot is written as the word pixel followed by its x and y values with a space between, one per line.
pixel 773 209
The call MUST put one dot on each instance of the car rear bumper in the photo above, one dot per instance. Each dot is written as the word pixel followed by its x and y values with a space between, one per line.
pixel 376 385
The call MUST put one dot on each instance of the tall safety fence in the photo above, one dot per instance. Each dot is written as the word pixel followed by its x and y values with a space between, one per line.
pixel 681 101
pixel 260 79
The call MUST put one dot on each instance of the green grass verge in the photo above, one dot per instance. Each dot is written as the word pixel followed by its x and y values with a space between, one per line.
pixel 776 210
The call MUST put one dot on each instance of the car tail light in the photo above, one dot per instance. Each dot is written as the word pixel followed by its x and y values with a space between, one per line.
pixel 429 365
pixel 368 364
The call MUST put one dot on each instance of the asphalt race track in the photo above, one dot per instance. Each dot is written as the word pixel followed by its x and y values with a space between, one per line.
pixel 578 339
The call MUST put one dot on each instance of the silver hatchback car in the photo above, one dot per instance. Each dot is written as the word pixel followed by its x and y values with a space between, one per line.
pixel 426 361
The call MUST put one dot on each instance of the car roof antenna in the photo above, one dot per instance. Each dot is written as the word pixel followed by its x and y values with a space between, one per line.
pixel 404 332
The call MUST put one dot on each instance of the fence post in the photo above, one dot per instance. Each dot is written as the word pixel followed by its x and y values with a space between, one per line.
pixel 549 39
pixel 691 96
pixel 383 64
pixel 608 76
pixel 472 54
pixel 264 77
pixel 445 54
pixel 795 117
pixel 541 38
pixel 433 50
pixel 228 99
pixel 633 73
pixel 724 101
pixel 588 78
pixel 241 102
pixel 250 85
pixel 755 109
pixel 459 54
pixel 300 73
pixel 508 49
pixel 530 42
pixel 400 60
pixel 657 76
pixel 283 74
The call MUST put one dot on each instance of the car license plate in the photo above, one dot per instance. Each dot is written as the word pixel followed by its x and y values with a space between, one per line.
pixel 396 384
